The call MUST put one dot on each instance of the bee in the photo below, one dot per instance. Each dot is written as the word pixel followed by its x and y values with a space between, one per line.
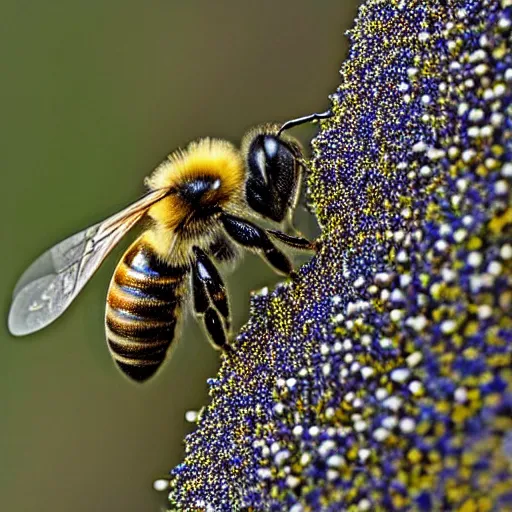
pixel 197 206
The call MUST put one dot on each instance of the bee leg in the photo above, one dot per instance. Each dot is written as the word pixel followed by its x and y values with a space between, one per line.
pixel 215 329
pixel 297 242
pixel 206 273
pixel 212 321
pixel 253 237
pixel 204 306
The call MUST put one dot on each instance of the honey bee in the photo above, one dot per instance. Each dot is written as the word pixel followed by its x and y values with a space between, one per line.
pixel 197 206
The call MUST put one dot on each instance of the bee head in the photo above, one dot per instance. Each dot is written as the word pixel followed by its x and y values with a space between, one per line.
pixel 273 172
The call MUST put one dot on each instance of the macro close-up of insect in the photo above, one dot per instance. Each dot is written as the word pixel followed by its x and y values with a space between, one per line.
pixel 198 207
pixel 158 193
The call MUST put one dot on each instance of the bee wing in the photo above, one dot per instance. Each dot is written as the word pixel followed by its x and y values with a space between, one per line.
pixel 51 283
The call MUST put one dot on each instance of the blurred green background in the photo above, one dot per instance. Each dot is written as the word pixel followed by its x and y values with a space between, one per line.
pixel 93 95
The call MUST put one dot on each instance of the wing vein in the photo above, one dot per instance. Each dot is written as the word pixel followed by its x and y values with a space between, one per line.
pixel 51 283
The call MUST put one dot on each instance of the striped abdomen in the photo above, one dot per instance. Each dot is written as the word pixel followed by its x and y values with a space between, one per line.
pixel 143 307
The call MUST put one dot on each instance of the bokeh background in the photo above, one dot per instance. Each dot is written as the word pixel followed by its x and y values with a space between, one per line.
pixel 93 95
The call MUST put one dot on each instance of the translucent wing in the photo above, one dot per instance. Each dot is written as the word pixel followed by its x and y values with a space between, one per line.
pixel 51 283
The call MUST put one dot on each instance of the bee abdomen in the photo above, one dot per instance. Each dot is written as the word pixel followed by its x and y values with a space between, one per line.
pixel 143 307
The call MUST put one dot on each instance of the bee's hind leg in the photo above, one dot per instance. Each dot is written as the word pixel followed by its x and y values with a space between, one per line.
pixel 210 300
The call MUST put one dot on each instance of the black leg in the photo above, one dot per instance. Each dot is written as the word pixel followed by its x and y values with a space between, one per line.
pixel 251 236
pixel 215 328
pixel 203 306
pixel 305 119
pixel 201 299
pixel 206 272
pixel 297 242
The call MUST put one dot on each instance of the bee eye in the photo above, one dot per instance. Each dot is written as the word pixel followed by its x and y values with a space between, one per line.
pixel 216 184
pixel 272 176
pixel 271 147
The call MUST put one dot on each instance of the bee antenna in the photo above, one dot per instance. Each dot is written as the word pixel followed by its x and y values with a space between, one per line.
pixel 311 118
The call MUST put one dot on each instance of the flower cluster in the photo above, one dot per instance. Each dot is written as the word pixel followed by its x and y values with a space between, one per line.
pixel 380 379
